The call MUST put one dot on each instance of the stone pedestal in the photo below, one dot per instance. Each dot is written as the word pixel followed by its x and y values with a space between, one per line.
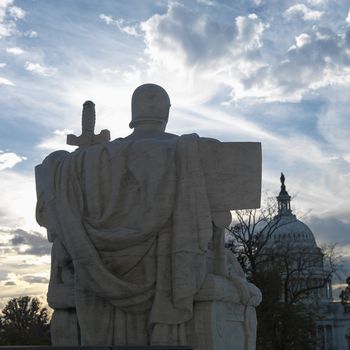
pixel 220 319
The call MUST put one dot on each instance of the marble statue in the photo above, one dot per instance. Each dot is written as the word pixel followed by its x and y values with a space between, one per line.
pixel 137 226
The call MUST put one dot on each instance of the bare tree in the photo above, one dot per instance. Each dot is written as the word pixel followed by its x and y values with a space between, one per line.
pixel 291 271
pixel 250 232
pixel 305 271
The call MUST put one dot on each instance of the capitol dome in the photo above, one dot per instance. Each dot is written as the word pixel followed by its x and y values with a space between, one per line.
pixel 290 229
pixel 292 246
pixel 286 229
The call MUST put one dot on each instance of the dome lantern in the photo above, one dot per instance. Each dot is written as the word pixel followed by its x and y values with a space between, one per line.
pixel 283 199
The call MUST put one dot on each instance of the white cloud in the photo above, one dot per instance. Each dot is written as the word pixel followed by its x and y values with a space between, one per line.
pixel 347 20
pixel 127 29
pixel 305 12
pixel 57 141
pixel 7 28
pixel 207 2
pixel 185 39
pixel 317 59
pixel 2 65
pixel 4 4
pixel 302 40
pixel 107 19
pixel 21 273
pixel 9 159
pixel 250 30
pixel 121 25
pixel 190 45
pixel 39 69
pixel 16 51
pixel 18 198
pixel 31 34
pixel 16 12
pixel 4 81
pixel 8 16
pixel 316 2
pixel 181 36
pixel 111 71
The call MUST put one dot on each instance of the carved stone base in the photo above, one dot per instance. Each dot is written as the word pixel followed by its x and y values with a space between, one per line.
pixel 220 321
pixel 216 326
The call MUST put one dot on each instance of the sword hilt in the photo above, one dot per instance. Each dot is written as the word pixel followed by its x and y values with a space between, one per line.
pixel 88 137
pixel 88 117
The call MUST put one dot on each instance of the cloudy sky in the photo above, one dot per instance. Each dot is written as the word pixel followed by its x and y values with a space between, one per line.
pixel 274 71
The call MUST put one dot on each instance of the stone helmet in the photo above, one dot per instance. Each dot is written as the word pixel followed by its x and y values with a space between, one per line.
pixel 150 102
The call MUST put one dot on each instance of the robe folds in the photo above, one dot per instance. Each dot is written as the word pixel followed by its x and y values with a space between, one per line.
pixel 134 218
pixel 131 223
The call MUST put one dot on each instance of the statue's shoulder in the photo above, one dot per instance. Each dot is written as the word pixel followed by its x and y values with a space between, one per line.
pixel 147 135
pixel 209 139
pixel 56 156
pixel 196 138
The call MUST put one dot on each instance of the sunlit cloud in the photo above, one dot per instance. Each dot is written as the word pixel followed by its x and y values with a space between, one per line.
pixel 39 69
pixel 16 12
pixel 9 14
pixel 9 159
pixel 347 19
pixel 31 34
pixel 56 141
pixel 17 205
pixel 305 12
pixel 4 81
pixel 16 51
pixel 207 2
pixel 316 2
pixel 121 25
pixel 302 40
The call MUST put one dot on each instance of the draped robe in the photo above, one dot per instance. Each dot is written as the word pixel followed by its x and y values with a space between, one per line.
pixel 135 220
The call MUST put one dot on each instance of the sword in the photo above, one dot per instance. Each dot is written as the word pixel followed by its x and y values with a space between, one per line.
pixel 88 137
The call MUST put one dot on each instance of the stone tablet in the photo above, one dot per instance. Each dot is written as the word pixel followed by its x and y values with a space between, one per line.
pixel 232 173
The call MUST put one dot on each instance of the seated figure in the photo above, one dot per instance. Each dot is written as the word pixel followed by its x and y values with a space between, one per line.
pixel 137 226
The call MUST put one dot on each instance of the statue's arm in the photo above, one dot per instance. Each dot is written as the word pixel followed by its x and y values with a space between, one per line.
pixel 44 180
pixel 61 286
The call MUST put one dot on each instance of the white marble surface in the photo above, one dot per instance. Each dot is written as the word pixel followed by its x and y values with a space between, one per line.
pixel 137 231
